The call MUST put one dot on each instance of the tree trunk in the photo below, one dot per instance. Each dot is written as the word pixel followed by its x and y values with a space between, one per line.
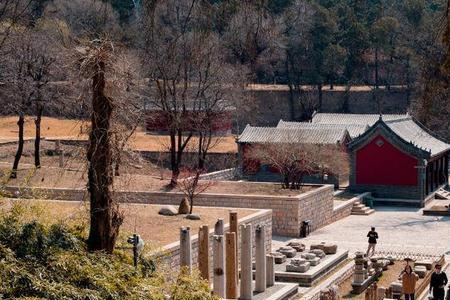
pixel 291 90
pixel 19 151
pixel 173 159
pixel 37 141
pixel 105 216
pixel 376 68
pixel 195 183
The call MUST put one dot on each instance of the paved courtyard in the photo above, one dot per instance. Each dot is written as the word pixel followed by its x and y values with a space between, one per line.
pixel 401 230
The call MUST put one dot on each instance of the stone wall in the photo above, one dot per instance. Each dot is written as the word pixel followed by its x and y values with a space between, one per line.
pixel 226 174
pixel 287 212
pixel 171 252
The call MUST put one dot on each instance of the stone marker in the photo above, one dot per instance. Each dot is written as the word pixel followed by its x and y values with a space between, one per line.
pixel 185 248
pixel 203 251
pixel 279 257
pixel 168 210
pixel 318 252
pixel 219 266
pixel 184 207
pixel 231 266
pixel 260 259
pixel 297 245
pixel 234 228
pixel 246 287
pixel 288 251
pixel 218 227
pixel 299 265
pixel 270 269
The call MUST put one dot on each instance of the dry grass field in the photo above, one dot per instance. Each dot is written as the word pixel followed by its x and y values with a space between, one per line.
pixel 144 219
pixel 53 128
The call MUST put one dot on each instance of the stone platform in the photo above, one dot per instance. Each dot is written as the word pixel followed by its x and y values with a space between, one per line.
pixel 280 291
pixel 308 278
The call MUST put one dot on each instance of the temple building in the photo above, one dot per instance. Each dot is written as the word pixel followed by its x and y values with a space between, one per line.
pixel 397 158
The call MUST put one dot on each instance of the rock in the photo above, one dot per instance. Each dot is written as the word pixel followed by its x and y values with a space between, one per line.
pixel 279 257
pixel 297 245
pixel 193 217
pixel 168 210
pixel 396 287
pixel 308 255
pixel 298 268
pixel 317 246
pixel 314 262
pixel 426 263
pixel 184 207
pixel 319 253
pixel 421 271
pixel 288 251
pixel 329 249
pixel 297 261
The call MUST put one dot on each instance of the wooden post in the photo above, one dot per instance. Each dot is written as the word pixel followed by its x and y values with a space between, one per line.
pixel 219 266
pixel 203 251
pixel 231 266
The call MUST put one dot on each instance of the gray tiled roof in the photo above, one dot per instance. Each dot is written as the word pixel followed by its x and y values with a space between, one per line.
pixel 353 119
pixel 410 131
pixel 292 135
pixel 353 130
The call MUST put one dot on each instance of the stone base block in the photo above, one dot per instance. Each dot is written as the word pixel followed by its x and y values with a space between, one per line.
pixel 288 251
pixel 314 262
pixel 298 268
pixel 319 253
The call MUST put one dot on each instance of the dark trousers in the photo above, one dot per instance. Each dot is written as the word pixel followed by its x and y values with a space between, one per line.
pixel 409 296
pixel 438 294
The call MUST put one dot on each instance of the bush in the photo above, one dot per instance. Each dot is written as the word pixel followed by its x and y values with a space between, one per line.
pixel 50 261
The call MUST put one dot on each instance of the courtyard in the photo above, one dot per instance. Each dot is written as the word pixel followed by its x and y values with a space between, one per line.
pixel 401 230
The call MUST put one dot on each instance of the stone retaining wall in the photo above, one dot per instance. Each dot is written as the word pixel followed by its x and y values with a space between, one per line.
pixel 226 174
pixel 262 217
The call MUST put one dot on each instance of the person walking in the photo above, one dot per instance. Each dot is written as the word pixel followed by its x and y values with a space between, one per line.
pixel 373 236
pixel 409 279
pixel 437 283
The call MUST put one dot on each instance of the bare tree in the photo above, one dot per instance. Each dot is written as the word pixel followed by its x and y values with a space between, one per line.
pixel 107 69
pixel 11 13
pixel 186 70
pixel 192 186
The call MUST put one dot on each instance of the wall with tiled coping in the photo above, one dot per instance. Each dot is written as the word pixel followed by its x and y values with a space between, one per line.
pixel 288 214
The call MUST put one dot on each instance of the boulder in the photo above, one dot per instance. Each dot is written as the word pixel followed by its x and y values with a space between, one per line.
pixel 298 268
pixel 317 246
pixel 314 262
pixel 184 207
pixel 279 257
pixel 396 287
pixel 420 270
pixel 297 245
pixel 193 217
pixel 308 255
pixel 288 251
pixel 330 249
pixel 319 253
pixel 168 210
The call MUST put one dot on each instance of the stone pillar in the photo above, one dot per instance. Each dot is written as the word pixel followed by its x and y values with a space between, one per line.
pixel 360 273
pixel 61 158
pixel 203 251
pixel 231 266
pixel 185 248
pixel 381 293
pixel 260 259
pixel 219 266
pixel 270 270
pixel 246 287
pixel 234 228
pixel 218 227
pixel 57 146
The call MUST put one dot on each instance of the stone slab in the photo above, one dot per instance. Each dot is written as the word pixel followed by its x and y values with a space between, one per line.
pixel 314 273
pixel 280 291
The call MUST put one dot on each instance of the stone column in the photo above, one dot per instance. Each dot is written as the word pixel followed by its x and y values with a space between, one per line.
pixel 231 266
pixel 246 290
pixel 219 266
pixel 218 227
pixel 260 259
pixel 185 248
pixel 360 273
pixel 270 270
pixel 203 251
pixel 234 228
pixel 61 158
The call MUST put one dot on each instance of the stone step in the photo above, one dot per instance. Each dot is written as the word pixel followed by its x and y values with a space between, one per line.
pixel 365 213
pixel 361 209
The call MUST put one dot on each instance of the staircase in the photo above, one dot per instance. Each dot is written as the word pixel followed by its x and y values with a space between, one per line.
pixel 442 194
pixel 361 210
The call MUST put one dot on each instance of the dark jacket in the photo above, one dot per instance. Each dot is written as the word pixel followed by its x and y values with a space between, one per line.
pixel 373 236
pixel 438 280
